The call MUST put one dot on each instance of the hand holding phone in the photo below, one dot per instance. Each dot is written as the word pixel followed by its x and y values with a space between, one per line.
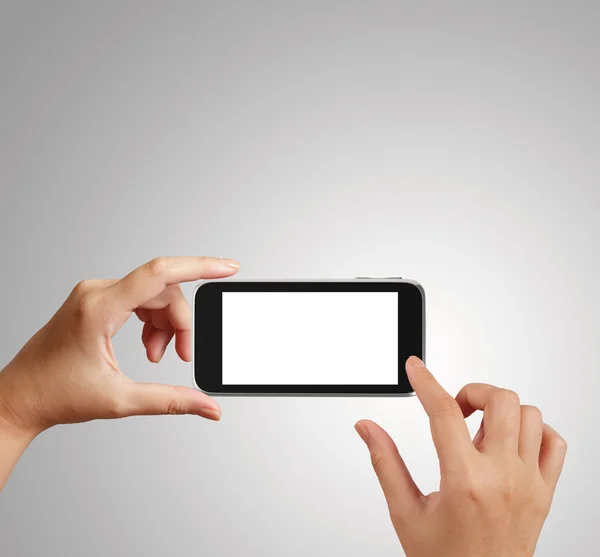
pixel 68 371
pixel 495 491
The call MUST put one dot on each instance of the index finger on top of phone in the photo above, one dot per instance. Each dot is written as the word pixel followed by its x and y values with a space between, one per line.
pixel 149 280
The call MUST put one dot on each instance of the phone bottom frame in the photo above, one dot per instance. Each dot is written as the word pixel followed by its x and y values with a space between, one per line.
pixel 307 394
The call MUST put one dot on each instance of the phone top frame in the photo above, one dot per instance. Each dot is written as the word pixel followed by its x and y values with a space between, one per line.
pixel 215 388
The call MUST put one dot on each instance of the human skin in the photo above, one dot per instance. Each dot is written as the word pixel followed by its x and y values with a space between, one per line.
pixel 68 372
pixel 495 491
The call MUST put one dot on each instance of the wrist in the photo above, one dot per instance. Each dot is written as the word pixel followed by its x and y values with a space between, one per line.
pixel 14 436
pixel 18 435
pixel 11 423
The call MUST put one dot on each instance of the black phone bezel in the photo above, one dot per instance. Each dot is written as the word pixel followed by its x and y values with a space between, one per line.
pixel 207 361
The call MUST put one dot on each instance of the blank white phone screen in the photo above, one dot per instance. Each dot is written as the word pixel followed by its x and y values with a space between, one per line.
pixel 310 338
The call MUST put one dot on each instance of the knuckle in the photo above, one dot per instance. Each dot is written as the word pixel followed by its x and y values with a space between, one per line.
pixel 86 300
pixel 446 407
pixel 507 489
pixel 87 307
pixel 378 461
pixel 115 402
pixel 469 489
pixel 157 267
pixel 473 494
pixel 471 386
pixel 82 288
pixel 500 486
pixel 115 407
pixel 532 412
pixel 175 407
pixel 480 488
pixel 506 397
pixel 560 443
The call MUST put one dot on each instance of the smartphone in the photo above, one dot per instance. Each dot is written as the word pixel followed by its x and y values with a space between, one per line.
pixel 347 337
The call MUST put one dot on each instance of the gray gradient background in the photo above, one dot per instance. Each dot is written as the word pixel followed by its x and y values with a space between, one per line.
pixel 456 144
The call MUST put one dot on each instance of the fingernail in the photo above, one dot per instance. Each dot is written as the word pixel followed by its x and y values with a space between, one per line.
pixel 415 362
pixel 210 413
pixel 231 263
pixel 362 430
